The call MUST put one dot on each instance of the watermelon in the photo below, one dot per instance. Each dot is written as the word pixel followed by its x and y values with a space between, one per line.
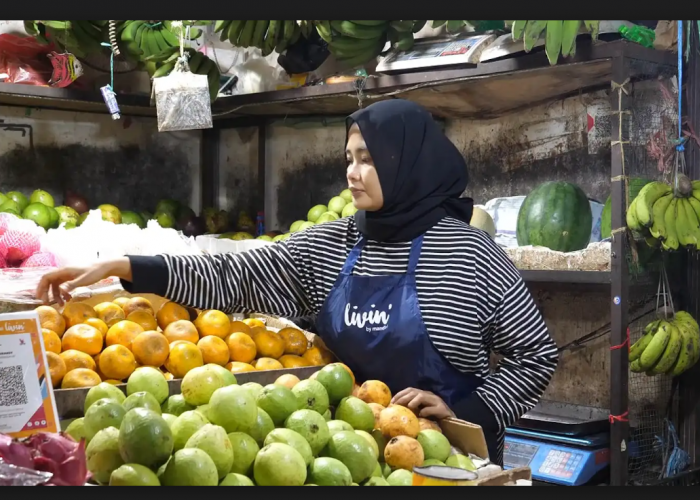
pixel 635 185
pixel 556 215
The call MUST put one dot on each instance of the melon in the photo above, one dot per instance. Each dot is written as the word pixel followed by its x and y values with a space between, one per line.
pixel 556 215
pixel 482 220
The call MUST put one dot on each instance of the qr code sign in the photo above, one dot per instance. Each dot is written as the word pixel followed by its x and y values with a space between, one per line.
pixel 12 390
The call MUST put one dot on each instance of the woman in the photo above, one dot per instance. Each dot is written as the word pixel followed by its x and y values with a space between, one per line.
pixel 406 291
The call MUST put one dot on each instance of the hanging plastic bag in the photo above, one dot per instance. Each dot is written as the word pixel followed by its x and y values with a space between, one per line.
pixel 182 98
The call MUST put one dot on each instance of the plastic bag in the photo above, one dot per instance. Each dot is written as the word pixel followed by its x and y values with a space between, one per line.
pixel 305 56
pixel 23 60
pixel 183 101
pixel 255 75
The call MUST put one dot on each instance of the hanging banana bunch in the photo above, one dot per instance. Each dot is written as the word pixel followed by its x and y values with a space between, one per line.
pixel 268 36
pixel 79 37
pixel 145 39
pixel 560 36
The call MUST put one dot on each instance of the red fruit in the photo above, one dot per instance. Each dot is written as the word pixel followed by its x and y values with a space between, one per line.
pixel 3 263
pixel 15 453
pixel 40 259
pixel 17 245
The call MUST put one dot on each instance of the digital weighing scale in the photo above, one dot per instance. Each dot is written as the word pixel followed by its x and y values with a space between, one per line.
pixel 562 444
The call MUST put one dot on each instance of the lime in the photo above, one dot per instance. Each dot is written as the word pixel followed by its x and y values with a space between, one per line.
pixel 165 219
pixel 38 213
pixel 3 198
pixel 41 196
pixel 129 217
pixel 110 213
pixel 10 206
pixel 19 198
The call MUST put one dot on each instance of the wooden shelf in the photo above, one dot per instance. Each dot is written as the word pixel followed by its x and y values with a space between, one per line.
pixel 483 91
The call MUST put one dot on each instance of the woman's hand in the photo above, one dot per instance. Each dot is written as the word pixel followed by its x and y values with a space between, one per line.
pixel 63 281
pixel 424 403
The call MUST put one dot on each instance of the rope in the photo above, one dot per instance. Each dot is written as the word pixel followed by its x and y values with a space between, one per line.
pixel 625 343
pixel 680 147
pixel 621 88
pixel 618 418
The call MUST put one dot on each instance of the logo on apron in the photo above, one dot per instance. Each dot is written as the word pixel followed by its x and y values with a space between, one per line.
pixel 378 320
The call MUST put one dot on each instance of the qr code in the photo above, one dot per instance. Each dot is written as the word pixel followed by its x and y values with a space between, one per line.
pixel 12 390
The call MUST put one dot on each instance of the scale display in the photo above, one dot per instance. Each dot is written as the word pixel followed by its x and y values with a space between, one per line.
pixel 554 462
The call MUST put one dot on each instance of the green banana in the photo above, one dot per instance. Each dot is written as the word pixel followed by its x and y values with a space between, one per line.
pixel 31 28
pixel 670 354
pixel 518 29
pixel 170 38
pixel 164 70
pixel 57 25
pixel 592 27
pixel 405 41
pixel 221 26
pixel 286 37
pixel 151 43
pixel 323 28
pixel 553 40
pixel 695 185
pixel 271 37
pixel 683 228
pixel 656 347
pixel 206 66
pixel 532 33
pixel 658 229
pixel 689 321
pixel 671 241
pixel 370 23
pixel 352 30
pixel 646 198
pixel 689 346
pixel 160 41
pixel 635 368
pixel 349 44
pixel 418 25
pixel 568 38
pixel 138 39
pixel 295 36
pixel 195 61
pixel 693 222
pixel 362 58
pixel 695 205
pixel 401 26
pixel 638 347
pixel 631 217
pixel 259 33
pixel 234 31
pixel 437 24
pixel 247 34
pixel 213 78
pixel 454 26
pixel 129 33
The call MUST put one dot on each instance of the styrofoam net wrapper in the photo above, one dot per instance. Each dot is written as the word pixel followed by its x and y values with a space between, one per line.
pixel 96 239
pixel 596 257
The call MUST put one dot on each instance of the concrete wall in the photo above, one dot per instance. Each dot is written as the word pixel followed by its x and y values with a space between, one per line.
pixel 125 162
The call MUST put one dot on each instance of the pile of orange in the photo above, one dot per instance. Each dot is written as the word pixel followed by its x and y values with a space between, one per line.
pixel 87 345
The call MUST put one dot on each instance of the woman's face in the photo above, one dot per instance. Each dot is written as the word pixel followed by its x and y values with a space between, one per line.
pixel 363 180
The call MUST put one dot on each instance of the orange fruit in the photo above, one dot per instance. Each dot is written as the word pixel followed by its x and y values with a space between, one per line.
pixel 77 359
pixel 213 322
pixel 269 345
pixel 147 321
pixel 292 361
pixel 121 301
pixel 57 368
pixel 77 312
pixel 110 313
pixel 252 322
pixel 267 364
pixel 426 424
pixel 113 382
pixel 183 357
pixel 318 356
pixel 80 377
pixel 85 338
pixel 351 373
pixel 181 329
pixel 138 304
pixel 52 343
pixel 375 391
pixel 238 367
pixel 214 350
pixel 123 333
pixel 239 326
pixel 257 330
pixel 295 342
pixel 169 313
pixel 117 362
pixel 377 410
pixel 150 348
pixel 176 342
pixel 398 420
pixel 241 347
pixel 287 380
pixel 355 390
pixel 51 319
pixel 99 324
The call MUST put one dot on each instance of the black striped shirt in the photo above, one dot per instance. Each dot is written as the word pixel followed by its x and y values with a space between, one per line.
pixel 472 299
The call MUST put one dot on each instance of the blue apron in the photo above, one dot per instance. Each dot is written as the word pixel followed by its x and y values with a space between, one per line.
pixel 374 325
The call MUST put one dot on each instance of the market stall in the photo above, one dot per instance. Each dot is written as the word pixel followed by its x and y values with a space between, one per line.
pixel 556 443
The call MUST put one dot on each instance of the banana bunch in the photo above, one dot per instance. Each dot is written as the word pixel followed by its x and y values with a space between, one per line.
pixel 268 36
pixel 560 36
pixel 358 42
pixel 145 39
pixel 667 347
pixel 79 37
pixel 163 63
pixel 666 215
